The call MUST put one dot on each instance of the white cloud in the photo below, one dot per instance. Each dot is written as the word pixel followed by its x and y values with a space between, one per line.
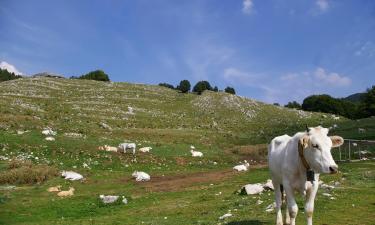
pixel 323 5
pixel 247 6
pixel 334 79
pixel 9 67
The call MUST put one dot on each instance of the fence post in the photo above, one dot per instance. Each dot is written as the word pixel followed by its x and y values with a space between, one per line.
pixel 349 151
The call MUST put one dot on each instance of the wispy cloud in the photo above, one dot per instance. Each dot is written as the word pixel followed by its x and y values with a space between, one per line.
pixel 247 6
pixel 10 68
pixel 235 76
pixel 323 5
pixel 366 49
pixel 299 85
pixel 333 79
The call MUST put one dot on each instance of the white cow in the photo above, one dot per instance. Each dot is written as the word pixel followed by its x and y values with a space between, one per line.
pixel 140 176
pixel 196 153
pixel 145 149
pixel 242 167
pixel 290 159
pixel 127 146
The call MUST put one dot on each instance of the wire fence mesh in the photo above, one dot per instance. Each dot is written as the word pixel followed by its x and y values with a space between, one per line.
pixel 355 150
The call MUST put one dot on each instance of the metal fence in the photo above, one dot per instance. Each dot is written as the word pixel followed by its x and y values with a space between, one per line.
pixel 355 150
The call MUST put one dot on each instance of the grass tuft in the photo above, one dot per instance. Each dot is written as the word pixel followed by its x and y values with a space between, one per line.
pixel 24 172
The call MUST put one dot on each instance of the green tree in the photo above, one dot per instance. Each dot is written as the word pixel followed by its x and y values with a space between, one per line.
pixel 184 86
pixel 99 75
pixel 201 86
pixel 166 85
pixel 367 106
pixel 293 105
pixel 230 90
pixel 216 89
pixel 6 75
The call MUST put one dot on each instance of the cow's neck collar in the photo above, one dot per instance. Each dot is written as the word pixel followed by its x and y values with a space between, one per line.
pixel 303 159
pixel 310 175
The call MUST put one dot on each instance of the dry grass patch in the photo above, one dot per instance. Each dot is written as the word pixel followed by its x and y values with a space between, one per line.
pixel 25 172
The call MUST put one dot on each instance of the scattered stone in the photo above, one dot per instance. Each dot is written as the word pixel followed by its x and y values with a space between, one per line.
pixel 271 207
pixel 225 216
pixel 327 194
pixel 253 189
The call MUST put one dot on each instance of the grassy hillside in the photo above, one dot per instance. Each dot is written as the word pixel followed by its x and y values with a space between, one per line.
pixel 184 190
pixel 80 106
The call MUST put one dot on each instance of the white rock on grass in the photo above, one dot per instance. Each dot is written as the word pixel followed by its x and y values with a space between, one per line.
pixel 108 199
pixel 70 175
pixel 225 216
pixel 327 187
pixel 270 207
pixel 253 189
pixel 327 194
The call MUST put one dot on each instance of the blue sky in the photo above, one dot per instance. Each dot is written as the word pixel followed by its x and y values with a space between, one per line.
pixel 273 51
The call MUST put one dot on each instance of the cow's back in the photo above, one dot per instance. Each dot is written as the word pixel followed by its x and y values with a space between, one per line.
pixel 276 153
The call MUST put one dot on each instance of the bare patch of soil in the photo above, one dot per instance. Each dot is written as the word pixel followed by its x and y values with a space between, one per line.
pixel 180 182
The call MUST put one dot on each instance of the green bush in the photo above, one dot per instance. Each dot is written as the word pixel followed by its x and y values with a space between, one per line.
pixel 230 90
pixel 201 86
pixel 95 75
pixel 184 86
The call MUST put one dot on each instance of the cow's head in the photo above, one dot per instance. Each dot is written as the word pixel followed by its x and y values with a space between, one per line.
pixel 316 145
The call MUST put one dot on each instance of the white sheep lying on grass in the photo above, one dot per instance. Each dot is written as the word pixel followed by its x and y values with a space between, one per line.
pixel 66 193
pixel 108 148
pixel 242 167
pixel 196 153
pixel 48 131
pixel 141 176
pixel 54 189
pixel 145 149
pixel 70 175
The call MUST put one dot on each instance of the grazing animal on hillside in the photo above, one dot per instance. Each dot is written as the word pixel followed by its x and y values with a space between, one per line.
pixel 54 189
pixel 127 146
pixel 355 144
pixel 145 149
pixel 361 130
pixel 70 175
pixel 108 148
pixel 295 164
pixel 66 193
pixel 141 176
pixel 196 153
pixel 49 131
pixel 242 167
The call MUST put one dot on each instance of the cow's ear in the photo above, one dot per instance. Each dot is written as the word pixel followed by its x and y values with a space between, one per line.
pixel 336 141
pixel 303 142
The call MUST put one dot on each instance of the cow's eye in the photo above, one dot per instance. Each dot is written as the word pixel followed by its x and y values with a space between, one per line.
pixel 315 146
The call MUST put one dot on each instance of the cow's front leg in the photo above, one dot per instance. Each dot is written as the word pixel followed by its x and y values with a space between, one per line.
pixel 309 204
pixel 292 205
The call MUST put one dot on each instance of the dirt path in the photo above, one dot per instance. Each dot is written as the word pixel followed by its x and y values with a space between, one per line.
pixel 180 182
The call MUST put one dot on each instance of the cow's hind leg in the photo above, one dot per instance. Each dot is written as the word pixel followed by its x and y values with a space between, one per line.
pixel 278 200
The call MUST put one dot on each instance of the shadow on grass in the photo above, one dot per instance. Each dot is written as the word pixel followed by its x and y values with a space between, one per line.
pixel 247 222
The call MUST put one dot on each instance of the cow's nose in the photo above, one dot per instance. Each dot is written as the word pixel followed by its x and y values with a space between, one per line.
pixel 333 169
